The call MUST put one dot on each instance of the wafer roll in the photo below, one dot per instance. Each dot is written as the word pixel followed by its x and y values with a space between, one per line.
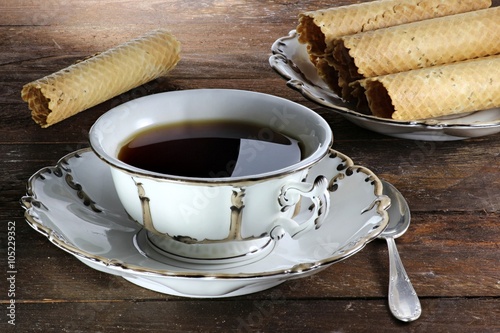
pixel 318 28
pixel 99 78
pixel 416 45
pixel 434 91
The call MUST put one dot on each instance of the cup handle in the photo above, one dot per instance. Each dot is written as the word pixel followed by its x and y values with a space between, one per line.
pixel 290 195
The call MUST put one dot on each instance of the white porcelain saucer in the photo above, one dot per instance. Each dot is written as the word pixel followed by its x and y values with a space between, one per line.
pixel 75 205
pixel 291 61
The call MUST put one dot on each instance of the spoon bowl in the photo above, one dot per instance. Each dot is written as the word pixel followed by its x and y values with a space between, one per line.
pixel 403 300
pixel 399 212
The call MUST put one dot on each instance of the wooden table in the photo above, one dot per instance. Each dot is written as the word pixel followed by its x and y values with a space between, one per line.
pixel 451 251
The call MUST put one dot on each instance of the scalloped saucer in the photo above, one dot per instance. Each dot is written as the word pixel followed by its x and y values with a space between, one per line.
pixel 75 205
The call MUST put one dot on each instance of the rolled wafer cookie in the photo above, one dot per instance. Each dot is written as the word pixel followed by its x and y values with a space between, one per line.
pixel 327 73
pixel 416 45
pixel 434 91
pixel 318 28
pixel 87 83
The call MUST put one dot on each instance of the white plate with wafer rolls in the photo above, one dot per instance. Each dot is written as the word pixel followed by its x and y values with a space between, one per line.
pixel 432 75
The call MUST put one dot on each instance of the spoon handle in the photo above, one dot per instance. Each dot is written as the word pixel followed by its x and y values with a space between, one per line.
pixel 403 300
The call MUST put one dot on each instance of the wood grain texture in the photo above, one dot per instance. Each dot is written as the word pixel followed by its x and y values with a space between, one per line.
pixel 277 314
pixel 451 251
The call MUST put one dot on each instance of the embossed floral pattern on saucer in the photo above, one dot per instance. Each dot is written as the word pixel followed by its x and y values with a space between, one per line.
pixel 75 205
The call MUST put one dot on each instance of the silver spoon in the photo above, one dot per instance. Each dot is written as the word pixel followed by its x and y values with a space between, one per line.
pixel 403 300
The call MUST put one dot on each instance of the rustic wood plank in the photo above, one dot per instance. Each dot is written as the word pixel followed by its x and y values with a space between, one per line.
pixel 276 314
pixel 89 13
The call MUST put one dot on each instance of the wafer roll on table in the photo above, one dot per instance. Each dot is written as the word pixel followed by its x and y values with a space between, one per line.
pixel 416 45
pixel 318 28
pixel 87 83
pixel 434 91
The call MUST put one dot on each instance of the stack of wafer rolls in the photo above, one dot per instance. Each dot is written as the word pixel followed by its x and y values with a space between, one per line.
pixel 416 45
pixel 401 71
pixel 87 83
pixel 318 29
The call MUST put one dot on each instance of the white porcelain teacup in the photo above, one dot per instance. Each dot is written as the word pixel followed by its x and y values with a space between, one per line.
pixel 217 219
